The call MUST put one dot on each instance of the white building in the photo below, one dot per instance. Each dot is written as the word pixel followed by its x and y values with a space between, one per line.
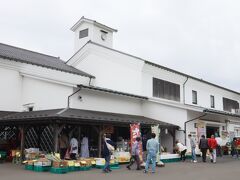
pixel 116 82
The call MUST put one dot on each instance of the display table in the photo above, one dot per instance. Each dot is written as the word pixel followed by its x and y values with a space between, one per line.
pixel 122 157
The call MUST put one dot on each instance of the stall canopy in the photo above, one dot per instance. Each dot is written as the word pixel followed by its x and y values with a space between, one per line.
pixel 76 116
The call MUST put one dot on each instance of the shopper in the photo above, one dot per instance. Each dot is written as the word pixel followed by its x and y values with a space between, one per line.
pixel 135 154
pixel 63 145
pixel 203 146
pixel 108 146
pixel 212 143
pixel 73 148
pixel 219 146
pixel 193 148
pixel 152 150
pixel 182 150
pixel 84 147
pixel 234 145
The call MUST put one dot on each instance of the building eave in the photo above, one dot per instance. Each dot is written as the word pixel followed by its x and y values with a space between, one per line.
pixel 113 91
pixel 94 22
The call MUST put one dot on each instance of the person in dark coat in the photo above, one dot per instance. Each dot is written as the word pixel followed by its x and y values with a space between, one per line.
pixel 106 152
pixel 203 146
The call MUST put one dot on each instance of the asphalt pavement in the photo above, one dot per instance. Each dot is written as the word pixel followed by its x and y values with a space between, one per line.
pixel 226 168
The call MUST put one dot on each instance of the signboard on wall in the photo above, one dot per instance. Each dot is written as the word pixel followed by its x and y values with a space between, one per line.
pixel 201 130
pixel 136 132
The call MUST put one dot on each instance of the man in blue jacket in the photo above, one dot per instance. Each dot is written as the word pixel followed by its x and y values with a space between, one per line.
pixel 152 150
pixel 107 152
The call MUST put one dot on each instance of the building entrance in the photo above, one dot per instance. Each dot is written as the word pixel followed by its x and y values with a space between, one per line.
pixel 212 130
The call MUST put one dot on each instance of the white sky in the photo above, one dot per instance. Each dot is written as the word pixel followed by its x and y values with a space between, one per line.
pixel 197 37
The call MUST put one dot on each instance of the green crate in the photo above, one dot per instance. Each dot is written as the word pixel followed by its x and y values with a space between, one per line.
pixel 29 167
pixel 171 160
pixel 3 154
pixel 112 166
pixel 72 168
pixel 99 166
pixel 62 170
pixel 85 168
pixel 41 168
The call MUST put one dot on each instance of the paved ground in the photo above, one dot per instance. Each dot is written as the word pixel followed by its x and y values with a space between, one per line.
pixel 225 169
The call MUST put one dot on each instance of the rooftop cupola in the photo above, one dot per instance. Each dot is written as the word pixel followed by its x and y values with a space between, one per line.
pixel 87 29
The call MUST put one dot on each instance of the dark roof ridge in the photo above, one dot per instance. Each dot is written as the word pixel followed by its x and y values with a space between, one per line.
pixel 31 51
pixel 22 55
pixel 112 91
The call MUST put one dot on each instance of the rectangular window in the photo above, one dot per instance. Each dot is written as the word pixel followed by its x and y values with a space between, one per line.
pixel 229 104
pixel 194 97
pixel 212 101
pixel 83 33
pixel 166 90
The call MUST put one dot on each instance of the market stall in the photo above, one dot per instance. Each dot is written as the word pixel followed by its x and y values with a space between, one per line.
pixel 37 134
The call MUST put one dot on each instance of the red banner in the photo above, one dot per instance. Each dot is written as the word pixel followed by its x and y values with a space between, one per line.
pixel 136 132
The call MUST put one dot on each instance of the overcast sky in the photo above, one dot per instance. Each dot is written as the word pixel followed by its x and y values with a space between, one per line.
pixel 197 37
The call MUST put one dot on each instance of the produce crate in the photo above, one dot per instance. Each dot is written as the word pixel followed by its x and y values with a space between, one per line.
pixel 41 168
pixel 72 168
pixel 172 160
pixel 112 166
pixel 3 154
pixel 99 166
pixel 85 168
pixel 61 170
pixel 29 167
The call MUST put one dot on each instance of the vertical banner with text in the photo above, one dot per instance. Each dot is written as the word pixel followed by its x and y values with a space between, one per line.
pixel 136 132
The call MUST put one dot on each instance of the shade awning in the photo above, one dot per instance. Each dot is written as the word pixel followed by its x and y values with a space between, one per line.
pixel 70 115
pixel 224 113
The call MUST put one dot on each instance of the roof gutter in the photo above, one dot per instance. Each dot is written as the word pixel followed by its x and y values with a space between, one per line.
pixel 68 103
pixel 184 101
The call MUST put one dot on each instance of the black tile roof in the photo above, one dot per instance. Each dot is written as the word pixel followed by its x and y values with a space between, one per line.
pixel 213 111
pixel 35 58
pixel 5 113
pixel 79 116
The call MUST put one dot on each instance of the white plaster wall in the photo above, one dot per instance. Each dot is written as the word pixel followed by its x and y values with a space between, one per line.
pixel 204 91
pixel 130 74
pixel 44 95
pixel 94 34
pixel 11 89
pixel 78 43
pixel 97 37
pixel 112 70
pixel 165 113
pixel 100 101
pixel 150 71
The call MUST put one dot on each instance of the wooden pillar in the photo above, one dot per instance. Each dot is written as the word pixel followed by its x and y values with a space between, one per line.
pixel 174 136
pixel 55 138
pixel 100 137
pixel 23 133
